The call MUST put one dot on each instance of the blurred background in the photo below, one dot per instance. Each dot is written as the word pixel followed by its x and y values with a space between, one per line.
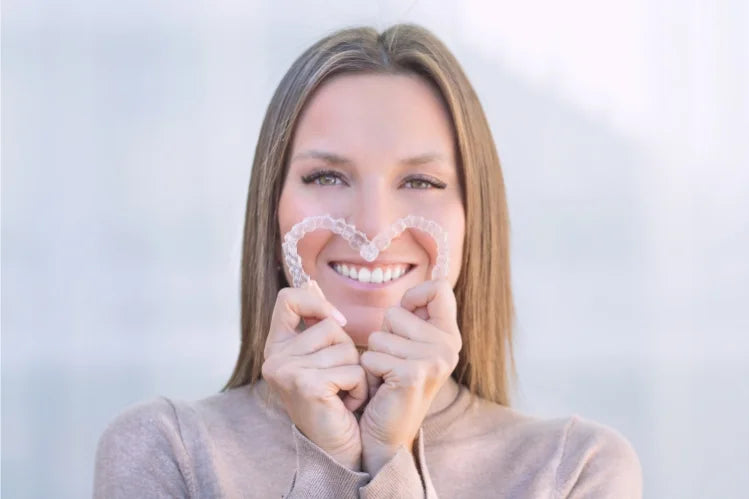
pixel 128 130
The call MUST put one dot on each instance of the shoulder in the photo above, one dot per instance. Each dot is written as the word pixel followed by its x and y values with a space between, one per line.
pixel 573 456
pixel 170 427
pixel 146 422
pixel 596 460
pixel 164 421
pixel 169 448
pixel 141 452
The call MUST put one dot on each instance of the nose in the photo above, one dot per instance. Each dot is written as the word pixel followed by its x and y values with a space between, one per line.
pixel 374 211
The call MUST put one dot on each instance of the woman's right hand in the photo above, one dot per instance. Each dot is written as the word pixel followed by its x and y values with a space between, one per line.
pixel 308 369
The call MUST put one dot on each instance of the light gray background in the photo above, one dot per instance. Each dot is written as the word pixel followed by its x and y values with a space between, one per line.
pixel 128 130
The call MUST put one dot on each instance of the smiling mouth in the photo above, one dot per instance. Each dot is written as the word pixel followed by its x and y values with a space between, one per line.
pixel 379 274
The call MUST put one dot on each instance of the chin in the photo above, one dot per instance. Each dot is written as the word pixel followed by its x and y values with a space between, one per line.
pixel 362 321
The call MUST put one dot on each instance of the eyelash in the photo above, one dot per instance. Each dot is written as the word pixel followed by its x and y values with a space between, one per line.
pixel 314 176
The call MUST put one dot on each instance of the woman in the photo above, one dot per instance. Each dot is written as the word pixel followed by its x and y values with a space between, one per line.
pixel 351 386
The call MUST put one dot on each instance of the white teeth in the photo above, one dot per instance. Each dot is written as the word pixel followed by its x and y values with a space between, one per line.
pixel 388 275
pixel 365 275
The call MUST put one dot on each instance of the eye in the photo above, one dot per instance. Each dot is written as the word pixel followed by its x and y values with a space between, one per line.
pixel 333 178
pixel 423 182
pixel 324 177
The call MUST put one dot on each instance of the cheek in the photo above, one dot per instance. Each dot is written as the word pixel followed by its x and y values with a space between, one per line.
pixel 310 247
pixel 453 222
pixel 293 207
pixel 456 237
pixel 297 203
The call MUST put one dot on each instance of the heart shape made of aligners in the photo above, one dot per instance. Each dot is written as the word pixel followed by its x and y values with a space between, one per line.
pixel 369 250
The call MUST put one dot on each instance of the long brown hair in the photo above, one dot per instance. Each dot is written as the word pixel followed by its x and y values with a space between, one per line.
pixel 483 292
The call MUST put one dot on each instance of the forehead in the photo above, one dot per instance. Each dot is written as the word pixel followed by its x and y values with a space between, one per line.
pixel 375 117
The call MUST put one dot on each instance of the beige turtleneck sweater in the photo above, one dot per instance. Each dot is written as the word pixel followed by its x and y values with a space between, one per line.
pixel 241 443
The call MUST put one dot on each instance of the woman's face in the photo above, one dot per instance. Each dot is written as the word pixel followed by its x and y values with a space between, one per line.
pixel 372 149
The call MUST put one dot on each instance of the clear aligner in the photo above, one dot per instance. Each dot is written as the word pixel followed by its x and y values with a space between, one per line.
pixel 369 250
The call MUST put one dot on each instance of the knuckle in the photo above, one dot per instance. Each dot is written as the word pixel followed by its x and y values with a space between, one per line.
pixel 458 342
pixel 325 323
pixel 306 385
pixel 351 354
pixel 375 340
pixel 330 329
pixel 415 376
pixel 435 368
pixel 454 359
pixel 331 324
pixel 314 390
pixel 335 356
pixel 300 383
pixel 442 367
pixel 283 295
pixel 283 375
pixel 365 359
pixel 338 333
pixel 275 371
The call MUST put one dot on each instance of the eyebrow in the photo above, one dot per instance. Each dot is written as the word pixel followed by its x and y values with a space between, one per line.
pixel 335 159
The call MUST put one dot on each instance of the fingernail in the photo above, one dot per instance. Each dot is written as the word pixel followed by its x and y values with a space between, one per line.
pixel 339 317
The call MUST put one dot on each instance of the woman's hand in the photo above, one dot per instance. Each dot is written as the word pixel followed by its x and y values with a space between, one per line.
pixel 308 369
pixel 414 355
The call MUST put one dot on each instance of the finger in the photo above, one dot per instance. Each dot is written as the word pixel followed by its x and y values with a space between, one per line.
pixel 323 334
pixel 401 322
pixel 341 354
pixel 438 298
pixel 292 304
pixel 380 364
pixel 398 346
pixel 350 379
pixel 315 289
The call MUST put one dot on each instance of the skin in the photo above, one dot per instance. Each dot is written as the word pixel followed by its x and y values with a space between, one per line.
pixel 387 143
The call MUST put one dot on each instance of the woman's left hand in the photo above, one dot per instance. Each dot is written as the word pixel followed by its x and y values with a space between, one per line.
pixel 413 357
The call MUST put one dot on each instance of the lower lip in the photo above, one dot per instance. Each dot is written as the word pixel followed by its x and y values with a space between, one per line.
pixel 370 285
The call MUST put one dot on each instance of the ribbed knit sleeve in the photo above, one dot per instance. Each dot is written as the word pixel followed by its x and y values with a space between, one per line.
pixel 319 475
pixel 402 476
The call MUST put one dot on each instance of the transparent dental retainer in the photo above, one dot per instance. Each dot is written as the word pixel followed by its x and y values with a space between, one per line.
pixel 369 250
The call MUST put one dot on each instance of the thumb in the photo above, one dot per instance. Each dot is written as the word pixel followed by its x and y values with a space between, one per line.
pixel 435 298
pixel 373 383
pixel 313 287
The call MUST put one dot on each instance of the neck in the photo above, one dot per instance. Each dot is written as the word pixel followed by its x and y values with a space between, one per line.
pixel 445 396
